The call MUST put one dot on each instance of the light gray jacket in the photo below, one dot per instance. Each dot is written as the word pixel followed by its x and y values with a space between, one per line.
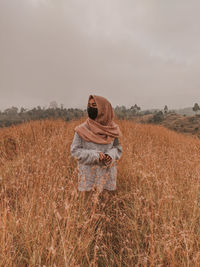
pixel 93 173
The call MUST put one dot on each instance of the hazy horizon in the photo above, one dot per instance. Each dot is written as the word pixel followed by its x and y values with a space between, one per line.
pixel 140 52
pixel 84 107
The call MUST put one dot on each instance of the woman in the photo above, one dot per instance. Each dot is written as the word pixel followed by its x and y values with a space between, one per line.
pixel 96 146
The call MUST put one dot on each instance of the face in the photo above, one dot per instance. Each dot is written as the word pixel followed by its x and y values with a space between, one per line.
pixel 92 103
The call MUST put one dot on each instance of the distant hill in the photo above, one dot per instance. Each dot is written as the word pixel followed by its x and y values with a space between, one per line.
pixel 180 123
pixel 183 111
pixel 187 111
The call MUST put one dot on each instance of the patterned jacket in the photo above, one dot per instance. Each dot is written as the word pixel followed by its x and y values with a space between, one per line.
pixel 92 172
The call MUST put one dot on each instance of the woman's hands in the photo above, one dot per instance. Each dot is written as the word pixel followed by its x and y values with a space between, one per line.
pixel 105 158
pixel 108 159
pixel 101 156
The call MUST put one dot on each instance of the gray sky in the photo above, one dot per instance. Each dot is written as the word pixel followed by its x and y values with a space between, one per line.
pixel 130 51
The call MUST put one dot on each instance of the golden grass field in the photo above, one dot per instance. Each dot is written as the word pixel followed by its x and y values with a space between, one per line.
pixel 152 220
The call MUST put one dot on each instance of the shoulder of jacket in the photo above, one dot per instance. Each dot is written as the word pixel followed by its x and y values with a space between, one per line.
pixel 77 136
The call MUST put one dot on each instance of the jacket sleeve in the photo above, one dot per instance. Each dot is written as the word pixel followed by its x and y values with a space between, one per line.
pixel 116 151
pixel 84 156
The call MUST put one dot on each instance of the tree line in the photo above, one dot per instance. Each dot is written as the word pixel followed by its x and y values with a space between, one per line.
pixel 13 115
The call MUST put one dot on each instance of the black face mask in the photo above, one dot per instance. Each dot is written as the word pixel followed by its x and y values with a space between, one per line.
pixel 92 112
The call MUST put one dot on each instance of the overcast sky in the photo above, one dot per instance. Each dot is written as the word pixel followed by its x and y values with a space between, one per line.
pixel 130 51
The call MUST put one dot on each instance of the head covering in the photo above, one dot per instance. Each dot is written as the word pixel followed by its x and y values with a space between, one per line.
pixel 102 130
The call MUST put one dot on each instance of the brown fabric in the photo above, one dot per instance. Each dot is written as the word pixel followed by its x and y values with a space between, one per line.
pixel 102 130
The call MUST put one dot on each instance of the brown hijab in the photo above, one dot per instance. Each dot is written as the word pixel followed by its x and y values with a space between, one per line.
pixel 102 130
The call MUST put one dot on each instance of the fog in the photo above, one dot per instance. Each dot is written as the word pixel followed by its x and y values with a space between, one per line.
pixel 131 52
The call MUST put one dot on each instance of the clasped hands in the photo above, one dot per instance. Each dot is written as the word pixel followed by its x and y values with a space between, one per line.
pixel 105 158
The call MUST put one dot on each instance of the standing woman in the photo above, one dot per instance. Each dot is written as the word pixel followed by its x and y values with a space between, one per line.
pixel 96 145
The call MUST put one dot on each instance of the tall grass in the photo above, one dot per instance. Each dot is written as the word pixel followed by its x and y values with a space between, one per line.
pixel 152 220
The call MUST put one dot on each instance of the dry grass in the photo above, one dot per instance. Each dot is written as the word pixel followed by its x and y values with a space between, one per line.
pixel 152 220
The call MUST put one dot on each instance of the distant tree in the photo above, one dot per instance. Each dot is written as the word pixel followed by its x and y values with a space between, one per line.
pixel 120 112
pixel 53 105
pixel 165 109
pixel 158 117
pixel 196 108
pixel 22 110
pixel 11 111
pixel 123 108
pixel 134 109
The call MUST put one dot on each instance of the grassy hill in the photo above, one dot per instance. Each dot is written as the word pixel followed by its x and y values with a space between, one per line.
pixel 153 220
pixel 188 125
pixel 187 111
